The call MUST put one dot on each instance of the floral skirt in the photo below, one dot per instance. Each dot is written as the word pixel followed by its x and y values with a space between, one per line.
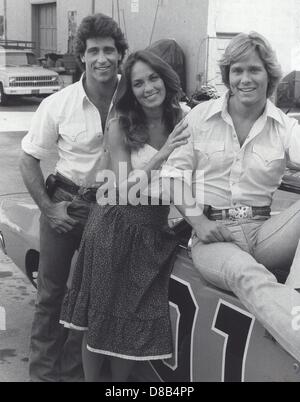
pixel 119 290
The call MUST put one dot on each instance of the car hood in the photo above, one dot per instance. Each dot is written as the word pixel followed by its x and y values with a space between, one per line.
pixel 20 214
pixel 27 71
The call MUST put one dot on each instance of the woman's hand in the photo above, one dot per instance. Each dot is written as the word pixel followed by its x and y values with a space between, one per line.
pixel 179 136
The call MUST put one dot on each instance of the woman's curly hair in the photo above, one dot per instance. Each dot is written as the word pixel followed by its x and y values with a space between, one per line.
pixel 132 117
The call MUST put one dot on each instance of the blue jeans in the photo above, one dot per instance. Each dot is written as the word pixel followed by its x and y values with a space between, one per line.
pixel 55 352
pixel 262 251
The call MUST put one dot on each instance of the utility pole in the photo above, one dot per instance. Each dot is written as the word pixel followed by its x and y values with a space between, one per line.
pixel 118 7
pixel 5 19
pixel 93 6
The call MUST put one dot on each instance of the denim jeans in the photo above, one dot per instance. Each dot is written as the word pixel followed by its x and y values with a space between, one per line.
pixel 262 252
pixel 55 352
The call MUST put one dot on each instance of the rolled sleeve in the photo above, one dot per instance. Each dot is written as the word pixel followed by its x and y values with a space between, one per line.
pixel 43 133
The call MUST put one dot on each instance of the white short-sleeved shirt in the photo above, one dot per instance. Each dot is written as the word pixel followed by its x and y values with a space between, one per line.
pixel 225 174
pixel 70 121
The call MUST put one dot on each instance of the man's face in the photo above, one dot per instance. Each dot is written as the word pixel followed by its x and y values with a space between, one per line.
pixel 102 59
pixel 249 80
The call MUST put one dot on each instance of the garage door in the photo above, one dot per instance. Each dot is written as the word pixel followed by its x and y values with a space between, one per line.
pixel 45 28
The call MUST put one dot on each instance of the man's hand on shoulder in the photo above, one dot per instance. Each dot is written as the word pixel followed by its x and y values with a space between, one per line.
pixel 58 217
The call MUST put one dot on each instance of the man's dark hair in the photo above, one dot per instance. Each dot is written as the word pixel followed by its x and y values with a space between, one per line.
pixel 98 26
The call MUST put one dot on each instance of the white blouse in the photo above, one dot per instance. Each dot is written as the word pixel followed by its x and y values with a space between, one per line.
pixel 139 159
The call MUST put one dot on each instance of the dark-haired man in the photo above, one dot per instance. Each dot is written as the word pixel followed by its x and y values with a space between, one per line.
pixel 74 120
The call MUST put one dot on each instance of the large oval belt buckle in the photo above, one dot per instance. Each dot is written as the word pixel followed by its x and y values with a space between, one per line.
pixel 239 213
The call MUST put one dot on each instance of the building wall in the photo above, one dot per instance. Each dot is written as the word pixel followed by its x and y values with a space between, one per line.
pixel 276 19
pixel 295 51
pixel 82 8
pixel 2 18
pixel 182 20
pixel 189 22
pixel 18 20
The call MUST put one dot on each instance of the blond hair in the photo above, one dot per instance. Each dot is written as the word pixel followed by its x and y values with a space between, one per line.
pixel 243 44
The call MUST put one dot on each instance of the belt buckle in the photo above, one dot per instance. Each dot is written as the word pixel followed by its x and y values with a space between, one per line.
pixel 240 213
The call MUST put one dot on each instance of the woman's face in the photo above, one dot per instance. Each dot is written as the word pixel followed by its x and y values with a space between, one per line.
pixel 147 86
pixel 249 80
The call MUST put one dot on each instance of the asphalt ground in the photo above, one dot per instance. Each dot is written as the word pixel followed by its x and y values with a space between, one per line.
pixel 17 295
pixel 17 298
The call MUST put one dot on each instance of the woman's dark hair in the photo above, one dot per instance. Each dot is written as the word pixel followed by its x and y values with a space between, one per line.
pixel 132 117
pixel 98 26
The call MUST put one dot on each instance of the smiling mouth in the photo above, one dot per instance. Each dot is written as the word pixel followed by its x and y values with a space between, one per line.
pixel 102 68
pixel 151 96
pixel 246 90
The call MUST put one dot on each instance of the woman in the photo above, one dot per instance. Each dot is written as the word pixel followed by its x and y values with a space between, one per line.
pixel 119 292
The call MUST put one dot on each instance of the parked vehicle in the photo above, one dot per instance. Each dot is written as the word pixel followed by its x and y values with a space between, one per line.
pixel 21 75
pixel 215 337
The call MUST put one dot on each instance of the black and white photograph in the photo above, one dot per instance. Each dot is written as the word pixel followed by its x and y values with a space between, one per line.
pixel 150 193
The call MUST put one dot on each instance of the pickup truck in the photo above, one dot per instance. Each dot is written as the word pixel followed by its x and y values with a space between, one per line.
pixel 20 75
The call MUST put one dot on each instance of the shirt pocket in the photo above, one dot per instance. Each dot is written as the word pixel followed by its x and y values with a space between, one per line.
pixel 210 149
pixel 75 131
pixel 268 155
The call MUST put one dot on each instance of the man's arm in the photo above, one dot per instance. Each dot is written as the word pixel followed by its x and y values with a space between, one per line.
pixel 183 162
pixel 56 213
pixel 292 145
pixel 178 173
pixel 207 231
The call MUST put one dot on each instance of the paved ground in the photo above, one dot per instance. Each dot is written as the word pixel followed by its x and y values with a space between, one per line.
pixel 17 299
pixel 14 123
pixel 16 116
pixel 16 293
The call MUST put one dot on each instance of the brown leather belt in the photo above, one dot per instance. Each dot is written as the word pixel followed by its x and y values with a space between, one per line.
pixel 236 214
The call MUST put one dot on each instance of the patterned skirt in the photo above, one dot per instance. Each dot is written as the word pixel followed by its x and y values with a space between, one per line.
pixel 119 290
